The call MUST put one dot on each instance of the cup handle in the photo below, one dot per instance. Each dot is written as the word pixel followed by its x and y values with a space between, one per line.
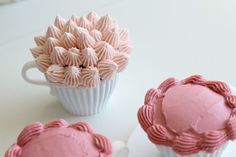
pixel 119 149
pixel 26 67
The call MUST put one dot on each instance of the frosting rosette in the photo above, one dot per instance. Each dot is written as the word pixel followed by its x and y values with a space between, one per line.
pixel 60 139
pixel 82 41
pixel 189 116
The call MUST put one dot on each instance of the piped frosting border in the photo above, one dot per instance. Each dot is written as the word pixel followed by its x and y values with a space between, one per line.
pixel 34 130
pixel 187 143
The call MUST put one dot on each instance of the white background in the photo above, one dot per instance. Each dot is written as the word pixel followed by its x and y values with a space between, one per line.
pixel 170 38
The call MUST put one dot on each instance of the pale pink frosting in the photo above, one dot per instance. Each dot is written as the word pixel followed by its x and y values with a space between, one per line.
pixel 124 34
pixel 85 40
pixel 68 40
pixel 124 47
pixel 88 57
pixel 107 69
pixel 104 50
pixel 84 23
pixel 122 60
pixel 112 37
pixel 93 17
pixel 78 30
pixel 74 18
pixel 72 76
pixel 36 51
pixel 97 35
pixel 58 55
pixel 43 62
pixel 60 22
pixel 50 44
pixel 105 23
pixel 55 73
pixel 58 138
pixel 90 77
pixel 40 40
pixel 69 26
pixel 53 32
pixel 72 57
pixel 208 123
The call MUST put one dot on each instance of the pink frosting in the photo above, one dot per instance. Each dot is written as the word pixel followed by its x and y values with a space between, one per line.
pixel 59 22
pixel 43 62
pixel 58 55
pixel 53 32
pixel 72 76
pixel 55 73
pixel 208 123
pixel 90 77
pixel 104 50
pixel 68 40
pixel 60 139
pixel 93 17
pixel 89 57
pixel 84 23
pixel 40 40
pixel 122 60
pixel 83 42
pixel 39 50
pixel 112 37
pixel 107 69
pixel 50 44
pixel 72 57
pixel 69 26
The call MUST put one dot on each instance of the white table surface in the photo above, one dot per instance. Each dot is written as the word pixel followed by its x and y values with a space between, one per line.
pixel 170 38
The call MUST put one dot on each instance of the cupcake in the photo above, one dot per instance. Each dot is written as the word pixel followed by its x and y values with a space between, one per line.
pixel 193 117
pixel 81 58
pixel 60 139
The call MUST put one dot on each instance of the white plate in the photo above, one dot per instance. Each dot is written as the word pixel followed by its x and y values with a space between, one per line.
pixel 140 146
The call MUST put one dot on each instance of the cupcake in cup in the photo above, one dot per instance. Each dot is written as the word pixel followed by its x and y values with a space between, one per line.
pixel 81 58
pixel 60 139
pixel 193 117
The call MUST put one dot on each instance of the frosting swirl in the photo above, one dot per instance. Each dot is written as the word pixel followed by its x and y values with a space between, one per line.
pixel 104 50
pixel 53 32
pixel 69 26
pixel 93 17
pixel 121 59
pixel 190 135
pixel 124 47
pixel 43 62
pixel 72 76
pixel 112 37
pixel 90 77
pixel 85 40
pixel 88 57
pixel 105 23
pixel 84 23
pixel 107 69
pixel 124 34
pixel 39 50
pixel 58 55
pixel 40 40
pixel 50 44
pixel 96 35
pixel 55 73
pixel 68 40
pixel 72 57
pixel 59 22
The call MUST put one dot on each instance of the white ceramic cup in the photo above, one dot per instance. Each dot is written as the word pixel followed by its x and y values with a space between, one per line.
pixel 80 100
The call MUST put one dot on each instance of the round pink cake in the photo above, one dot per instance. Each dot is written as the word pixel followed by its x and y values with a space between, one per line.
pixel 59 139
pixel 189 116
